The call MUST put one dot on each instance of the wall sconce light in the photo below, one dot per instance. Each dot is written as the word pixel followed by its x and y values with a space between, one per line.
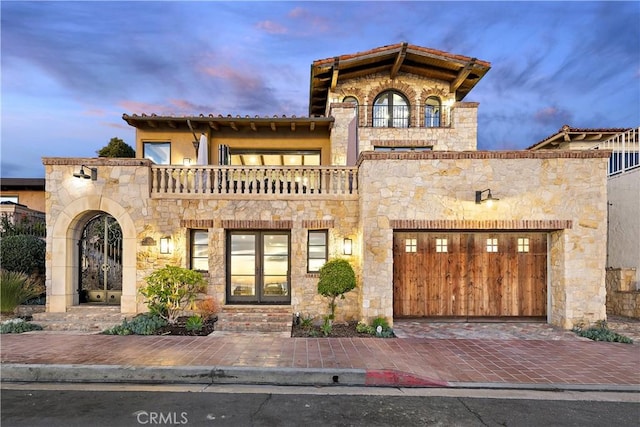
pixel 489 199
pixel 186 161
pixel 347 246
pixel 82 174
pixel 165 245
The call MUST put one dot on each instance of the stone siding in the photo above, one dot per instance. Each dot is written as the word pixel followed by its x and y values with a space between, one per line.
pixel 623 292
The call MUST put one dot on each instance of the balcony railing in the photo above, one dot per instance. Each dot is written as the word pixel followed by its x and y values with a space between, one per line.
pixel 257 181
pixel 626 151
pixel 403 116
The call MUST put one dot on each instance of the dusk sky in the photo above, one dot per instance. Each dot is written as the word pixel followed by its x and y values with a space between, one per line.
pixel 71 69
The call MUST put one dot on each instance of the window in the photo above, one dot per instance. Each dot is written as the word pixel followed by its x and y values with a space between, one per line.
pixel 12 199
pixel 351 99
pixel 441 245
pixel 391 109
pixel 158 152
pixel 523 244
pixel 411 245
pixel 432 111
pixel 492 245
pixel 257 157
pixel 199 250
pixel 316 250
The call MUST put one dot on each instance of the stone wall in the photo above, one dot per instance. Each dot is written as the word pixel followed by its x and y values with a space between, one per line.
pixel 623 292
pixel 561 192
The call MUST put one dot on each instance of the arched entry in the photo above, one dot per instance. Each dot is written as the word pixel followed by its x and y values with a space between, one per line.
pixel 100 261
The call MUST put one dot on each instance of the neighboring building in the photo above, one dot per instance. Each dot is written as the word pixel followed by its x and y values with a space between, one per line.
pixel 384 172
pixel 623 207
pixel 22 201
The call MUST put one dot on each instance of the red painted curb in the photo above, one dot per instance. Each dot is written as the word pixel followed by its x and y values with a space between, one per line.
pixel 391 378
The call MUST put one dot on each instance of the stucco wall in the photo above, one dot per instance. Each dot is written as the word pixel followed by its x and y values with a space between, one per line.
pixel 536 191
pixel 624 220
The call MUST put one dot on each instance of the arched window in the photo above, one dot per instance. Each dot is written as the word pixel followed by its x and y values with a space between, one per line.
pixel 391 109
pixel 432 112
pixel 351 99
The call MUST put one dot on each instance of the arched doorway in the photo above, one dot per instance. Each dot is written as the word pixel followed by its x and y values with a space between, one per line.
pixel 100 261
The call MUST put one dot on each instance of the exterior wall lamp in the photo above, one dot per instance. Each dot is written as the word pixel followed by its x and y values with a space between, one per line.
pixel 165 245
pixel 489 199
pixel 347 246
pixel 82 174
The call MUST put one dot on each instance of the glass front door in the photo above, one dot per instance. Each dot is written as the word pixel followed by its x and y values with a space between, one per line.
pixel 258 267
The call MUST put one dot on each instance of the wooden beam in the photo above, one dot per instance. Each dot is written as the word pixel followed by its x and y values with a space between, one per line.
pixel 214 126
pixel 152 124
pixel 399 60
pixel 233 126
pixel 273 126
pixel 336 71
pixel 293 126
pixel 312 126
pixel 462 75
pixel 171 124
pixel 253 126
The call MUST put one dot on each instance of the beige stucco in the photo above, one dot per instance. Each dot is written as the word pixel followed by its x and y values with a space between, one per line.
pixel 624 220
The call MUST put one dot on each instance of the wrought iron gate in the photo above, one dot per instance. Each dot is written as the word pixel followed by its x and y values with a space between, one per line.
pixel 100 250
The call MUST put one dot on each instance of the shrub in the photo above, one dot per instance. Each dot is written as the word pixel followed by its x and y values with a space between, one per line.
pixel 171 290
pixel 363 328
pixel 23 253
pixel 194 323
pixel 116 148
pixel 143 324
pixel 336 278
pixel 16 288
pixel 601 332
pixel 380 321
pixel 18 326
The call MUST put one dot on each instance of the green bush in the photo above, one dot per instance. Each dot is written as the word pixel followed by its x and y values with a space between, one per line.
pixel 16 288
pixel 116 148
pixel 336 278
pixel 194 323
pixel 18 326
pixel 142 324
pixel 171 290
pixel 23 253
pixel 602 333
pixel 380 321
pixel 363 328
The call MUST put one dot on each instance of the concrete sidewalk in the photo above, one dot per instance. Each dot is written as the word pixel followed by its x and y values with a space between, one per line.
pixel 566 364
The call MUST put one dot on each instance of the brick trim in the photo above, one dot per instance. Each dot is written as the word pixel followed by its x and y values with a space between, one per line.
pixel 481 155
pixel 318 223
pixel 402 143
pixel 197 223
pixel 470 224
pixel 257 224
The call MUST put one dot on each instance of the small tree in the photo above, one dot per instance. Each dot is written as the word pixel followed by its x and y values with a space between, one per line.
pixel 171 290
pixel 23 253
pixel 336 278
pixel 116 148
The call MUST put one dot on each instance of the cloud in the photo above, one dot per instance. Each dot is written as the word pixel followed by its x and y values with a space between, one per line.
pixel 271 27
pixel 552 116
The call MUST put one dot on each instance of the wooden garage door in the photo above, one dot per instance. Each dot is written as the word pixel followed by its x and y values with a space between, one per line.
pixel 469 274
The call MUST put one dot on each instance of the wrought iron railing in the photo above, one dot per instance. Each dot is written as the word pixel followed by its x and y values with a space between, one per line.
pixel 626 151
pixel 258 180
pixel 404 116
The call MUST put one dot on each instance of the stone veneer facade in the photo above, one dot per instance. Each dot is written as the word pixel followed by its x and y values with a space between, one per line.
pixel 563 193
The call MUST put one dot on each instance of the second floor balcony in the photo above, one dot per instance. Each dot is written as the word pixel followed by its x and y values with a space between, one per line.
pixel 253 182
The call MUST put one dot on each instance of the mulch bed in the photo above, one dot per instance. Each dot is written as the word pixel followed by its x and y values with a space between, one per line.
pixel 338 330
pixel 180 328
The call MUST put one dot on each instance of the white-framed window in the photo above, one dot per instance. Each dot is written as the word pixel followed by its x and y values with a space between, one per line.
pixel 441 245
pixel 492 245
pixel 411 245
pixel 432 112
pixel 523 244
pixel 199 250
pixel 158 152
pixel 317 250
pixel 12 199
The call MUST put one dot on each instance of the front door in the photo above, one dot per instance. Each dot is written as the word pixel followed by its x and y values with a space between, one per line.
pixel 258 264
pixel 100 251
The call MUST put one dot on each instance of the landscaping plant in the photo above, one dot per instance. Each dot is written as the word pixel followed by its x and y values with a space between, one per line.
pixel 18 326
pixel 16 288
pixel 171 290
pixel 336 278
pixel 143 324
pixel 23 253
pixel 601 332
pixel 194 323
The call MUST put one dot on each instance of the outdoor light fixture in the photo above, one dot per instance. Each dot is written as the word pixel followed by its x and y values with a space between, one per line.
pixel 347 247
pixel 489 198
pixel 165 245
pixel 82 174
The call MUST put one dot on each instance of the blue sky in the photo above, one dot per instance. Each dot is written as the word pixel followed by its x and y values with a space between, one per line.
pixel 71 69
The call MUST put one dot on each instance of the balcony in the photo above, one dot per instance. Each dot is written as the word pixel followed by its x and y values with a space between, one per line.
pixel 253 182
pixel 626 151
pixel 413 116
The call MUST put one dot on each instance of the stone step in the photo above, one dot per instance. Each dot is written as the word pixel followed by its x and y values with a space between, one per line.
pixel 254 319
pixel 80 318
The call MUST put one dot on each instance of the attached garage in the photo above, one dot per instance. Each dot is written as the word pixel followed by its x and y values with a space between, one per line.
pixel 469 274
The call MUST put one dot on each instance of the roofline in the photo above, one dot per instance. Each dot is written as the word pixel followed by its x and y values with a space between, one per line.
pixel 566 129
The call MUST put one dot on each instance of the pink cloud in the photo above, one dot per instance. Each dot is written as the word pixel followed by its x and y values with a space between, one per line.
pixel 271 27
pixel 551 115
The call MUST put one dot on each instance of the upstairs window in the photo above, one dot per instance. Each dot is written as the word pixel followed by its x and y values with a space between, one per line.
pixel 391 110
pixel 432 112
pixel 158 152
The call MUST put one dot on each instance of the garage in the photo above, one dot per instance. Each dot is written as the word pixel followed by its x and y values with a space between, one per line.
pixel 469 274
